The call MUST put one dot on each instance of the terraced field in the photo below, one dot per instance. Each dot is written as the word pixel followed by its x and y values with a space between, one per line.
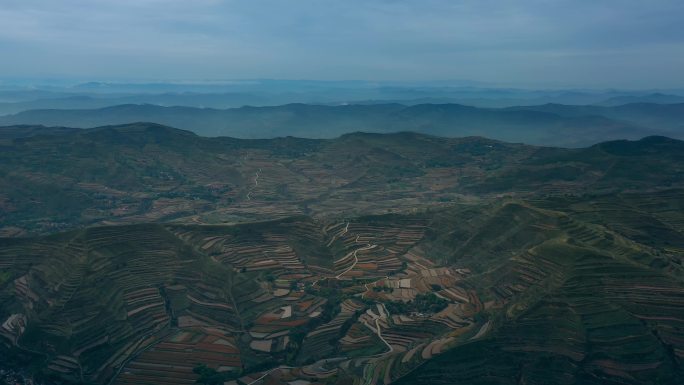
pixel 540 287
pixel 586 306
pixel 172 360
pixel 606 322
pixel 367 259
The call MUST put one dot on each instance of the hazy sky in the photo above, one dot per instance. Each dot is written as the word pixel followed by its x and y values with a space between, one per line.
pixel 583 43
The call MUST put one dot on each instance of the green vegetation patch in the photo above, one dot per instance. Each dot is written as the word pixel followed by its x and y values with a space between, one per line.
pixel 423 303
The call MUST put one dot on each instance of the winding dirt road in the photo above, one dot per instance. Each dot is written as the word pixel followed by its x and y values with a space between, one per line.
pixel 346 228
pixel 356 259
pixel 256 183
pixel 269 372
pixel 379 331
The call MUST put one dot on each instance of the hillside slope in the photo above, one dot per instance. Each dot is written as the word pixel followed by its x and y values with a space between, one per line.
pixel 146 172
pixel 543 291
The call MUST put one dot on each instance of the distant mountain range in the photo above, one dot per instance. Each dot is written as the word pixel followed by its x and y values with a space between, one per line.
pixel 264 92
pixel 549 124
pixel 658 98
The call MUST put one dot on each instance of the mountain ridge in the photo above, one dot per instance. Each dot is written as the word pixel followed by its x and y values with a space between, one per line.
pixel 161 173
pixel 551 124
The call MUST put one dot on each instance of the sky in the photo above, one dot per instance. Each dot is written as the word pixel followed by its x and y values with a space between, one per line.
pixel 577 43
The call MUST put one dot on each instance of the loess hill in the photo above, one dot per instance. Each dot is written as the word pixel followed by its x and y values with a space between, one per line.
pixel 55 179
pixel 134 254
